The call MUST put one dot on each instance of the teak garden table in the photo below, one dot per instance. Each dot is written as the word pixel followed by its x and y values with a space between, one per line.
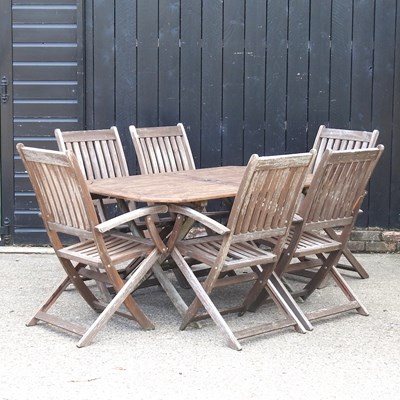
pixel 194 187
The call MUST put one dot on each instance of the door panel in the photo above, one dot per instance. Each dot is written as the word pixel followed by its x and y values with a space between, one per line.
pixel 45 70
pixel 6 123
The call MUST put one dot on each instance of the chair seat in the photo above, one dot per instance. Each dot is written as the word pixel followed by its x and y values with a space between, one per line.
pixel 239 255
pixel 312 243
pixel 121 248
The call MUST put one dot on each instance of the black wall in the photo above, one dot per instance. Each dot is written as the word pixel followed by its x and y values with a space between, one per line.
pixel 251 77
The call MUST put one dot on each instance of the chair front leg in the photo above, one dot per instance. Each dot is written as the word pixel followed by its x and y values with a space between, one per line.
pixel 205 299
pixel 321 274
pixel 121 297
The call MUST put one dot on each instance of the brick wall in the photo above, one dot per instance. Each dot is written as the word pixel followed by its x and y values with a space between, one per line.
pixel 374 240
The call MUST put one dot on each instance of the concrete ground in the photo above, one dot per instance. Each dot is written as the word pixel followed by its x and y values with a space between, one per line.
pixel 346 357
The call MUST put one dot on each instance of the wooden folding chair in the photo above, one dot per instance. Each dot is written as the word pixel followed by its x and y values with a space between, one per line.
pixel 333 199
pixel 341 139
pixel 67 208
pixel 263 207
pixel 100 155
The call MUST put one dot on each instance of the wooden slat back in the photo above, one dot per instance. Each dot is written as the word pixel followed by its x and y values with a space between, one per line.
pixel 162 149
pixel 268 194
pixel 99 152
pixel 338 185
pixel 342 139
pixel 60 189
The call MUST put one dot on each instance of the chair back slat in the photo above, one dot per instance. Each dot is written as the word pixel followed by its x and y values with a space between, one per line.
pixel 162 149
pixel 339 184
pixel 268 194
pixel 60 188
pixel 99 152
pixel 342 139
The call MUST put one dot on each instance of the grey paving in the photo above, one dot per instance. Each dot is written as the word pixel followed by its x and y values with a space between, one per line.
pixel 345 357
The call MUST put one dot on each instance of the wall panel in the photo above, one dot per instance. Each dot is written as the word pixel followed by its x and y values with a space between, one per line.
pixel 243 77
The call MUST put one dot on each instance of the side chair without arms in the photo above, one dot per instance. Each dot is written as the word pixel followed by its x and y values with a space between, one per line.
pixel 333 199
pixel 264 207
pixel 67 208
pixel 342 139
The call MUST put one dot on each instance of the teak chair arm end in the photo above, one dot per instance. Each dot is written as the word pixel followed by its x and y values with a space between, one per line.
pixel 199 217
pixel 129 216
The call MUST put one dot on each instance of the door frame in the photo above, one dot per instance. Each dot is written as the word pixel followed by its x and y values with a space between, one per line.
pixel 6 130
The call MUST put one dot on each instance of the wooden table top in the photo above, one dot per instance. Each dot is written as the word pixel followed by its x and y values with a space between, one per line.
pixel 177 187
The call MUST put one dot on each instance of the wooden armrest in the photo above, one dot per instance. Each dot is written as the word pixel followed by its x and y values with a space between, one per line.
pixel 129 216
pixel 199 217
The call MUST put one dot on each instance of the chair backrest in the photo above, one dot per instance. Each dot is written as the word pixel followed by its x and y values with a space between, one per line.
pixel 341 139
pixel 64 199
pixel 99 152
pixel 162 149
pixel 338 187
pixel 267 196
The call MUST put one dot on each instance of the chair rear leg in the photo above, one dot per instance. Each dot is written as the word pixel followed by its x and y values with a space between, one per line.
pixel 355 265
pixel 348 291
pixel 45 306
pixel 321 274
pixel 72 273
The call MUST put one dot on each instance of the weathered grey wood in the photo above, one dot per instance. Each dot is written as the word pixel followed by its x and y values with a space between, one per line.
pixel 191 213
pixel 335 193
pixel 176 187
pixel 99 151
pixel 266 180
pixel 205 300
pixel 343 139
pixel 100 155
pixel 66 325
pixel 197 186
pixel 162 149
pixel 65 201
pixel 130 285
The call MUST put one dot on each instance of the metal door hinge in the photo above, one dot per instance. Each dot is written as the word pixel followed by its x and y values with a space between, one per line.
pixel 4 89
pixel 5 231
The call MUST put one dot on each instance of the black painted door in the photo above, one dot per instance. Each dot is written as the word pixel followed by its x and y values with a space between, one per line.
pixel 44 68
